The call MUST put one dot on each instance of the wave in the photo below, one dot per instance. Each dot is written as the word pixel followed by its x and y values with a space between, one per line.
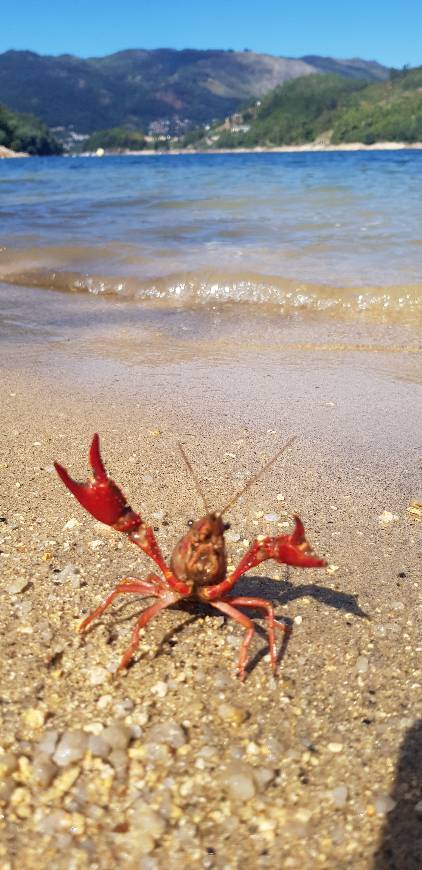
pixel 187 289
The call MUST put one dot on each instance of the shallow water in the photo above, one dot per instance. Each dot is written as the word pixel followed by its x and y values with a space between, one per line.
pixel 337 232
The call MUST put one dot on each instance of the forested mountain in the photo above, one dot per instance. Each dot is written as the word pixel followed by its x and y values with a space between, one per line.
pixel 163 90
pixel 326 107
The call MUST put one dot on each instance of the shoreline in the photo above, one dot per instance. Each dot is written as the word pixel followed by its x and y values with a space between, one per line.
pixel 6 153
pixel 281 149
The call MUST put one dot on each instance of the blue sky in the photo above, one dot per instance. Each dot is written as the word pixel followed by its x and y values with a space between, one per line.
pixel 382 30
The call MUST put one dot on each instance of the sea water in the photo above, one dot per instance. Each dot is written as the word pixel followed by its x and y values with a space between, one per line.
pixel 337 232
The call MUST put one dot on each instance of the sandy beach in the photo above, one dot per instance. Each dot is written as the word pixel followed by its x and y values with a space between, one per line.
pixel 175 763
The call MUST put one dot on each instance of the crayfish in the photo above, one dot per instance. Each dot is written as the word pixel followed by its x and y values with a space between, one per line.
pixel 198 566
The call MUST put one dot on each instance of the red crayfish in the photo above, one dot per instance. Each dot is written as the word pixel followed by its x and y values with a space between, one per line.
pixel 198 566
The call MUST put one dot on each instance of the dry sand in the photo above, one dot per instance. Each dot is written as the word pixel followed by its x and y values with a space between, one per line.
pixel 320 767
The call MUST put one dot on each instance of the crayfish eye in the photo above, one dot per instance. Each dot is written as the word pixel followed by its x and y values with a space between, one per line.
pixel 226 526
pixel 190 523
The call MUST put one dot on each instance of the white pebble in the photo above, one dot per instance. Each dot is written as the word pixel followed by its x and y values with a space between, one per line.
pixel 239 780
pixel 339 795
pixel 71 524
pixel 68 573
pixel 98 746
pixel 48 742
pixel 95 544
pixel 384 804
pixel 335 747
pixel 147 820
pixel 117 736
pixel 263 776
pixel 280 497
pixel 43 770
pixel 362 665
pixel 98 675
pixel 298 620
pixel 234 537
pixel 271 518
pixel 168 732
pixel 160 689
pixel 71 747
pixel 387 517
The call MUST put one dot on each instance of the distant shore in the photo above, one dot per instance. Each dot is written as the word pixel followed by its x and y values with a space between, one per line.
pixel 280 149
pixel 7 152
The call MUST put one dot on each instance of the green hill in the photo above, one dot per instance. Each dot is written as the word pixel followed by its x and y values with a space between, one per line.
pixel 26 133
pixel 327 107
pixel 159 91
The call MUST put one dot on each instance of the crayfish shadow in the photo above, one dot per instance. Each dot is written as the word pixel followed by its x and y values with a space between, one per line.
pixel 400 846
pixel 281 592
pixel 276 592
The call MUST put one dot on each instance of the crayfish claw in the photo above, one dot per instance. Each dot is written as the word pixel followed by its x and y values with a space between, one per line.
pixel 100 496
pixel 95 459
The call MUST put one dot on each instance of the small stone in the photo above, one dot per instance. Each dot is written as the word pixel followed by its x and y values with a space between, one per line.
pixel 34 718
pixel 238 778
pixel 43 770
pixel 383 804
pixel 160 689
pixel 17 585
pixel 147 821
pixel 332 569
pixel 280 497
pixel 418 809
pixel 298 620
pixel 97 543
pixel 271 518
pixel 362 665
pixel 8 764
pixel 335 747
pixel 386 518
pixel 159 515
pixel 339 796
pixel 117 736
pixel 94 728
pixel 119 759
pixel 98 675
pixel 71 747
pixel 233 537
pixel 263 777
pixel 53 823
pixel 167 732
pixel 68 574
pixel 230 713
pixel 98 746
pixel 21 802
pixel 71 524
pixel 303 815
pixel 48 742
pixel 62 784
pixel 104 701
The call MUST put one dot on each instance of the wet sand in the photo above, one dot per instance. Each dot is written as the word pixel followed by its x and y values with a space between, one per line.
pixel 319 767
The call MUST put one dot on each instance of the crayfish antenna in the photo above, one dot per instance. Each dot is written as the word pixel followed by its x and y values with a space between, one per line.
pixel 194 477
pixel 258 474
